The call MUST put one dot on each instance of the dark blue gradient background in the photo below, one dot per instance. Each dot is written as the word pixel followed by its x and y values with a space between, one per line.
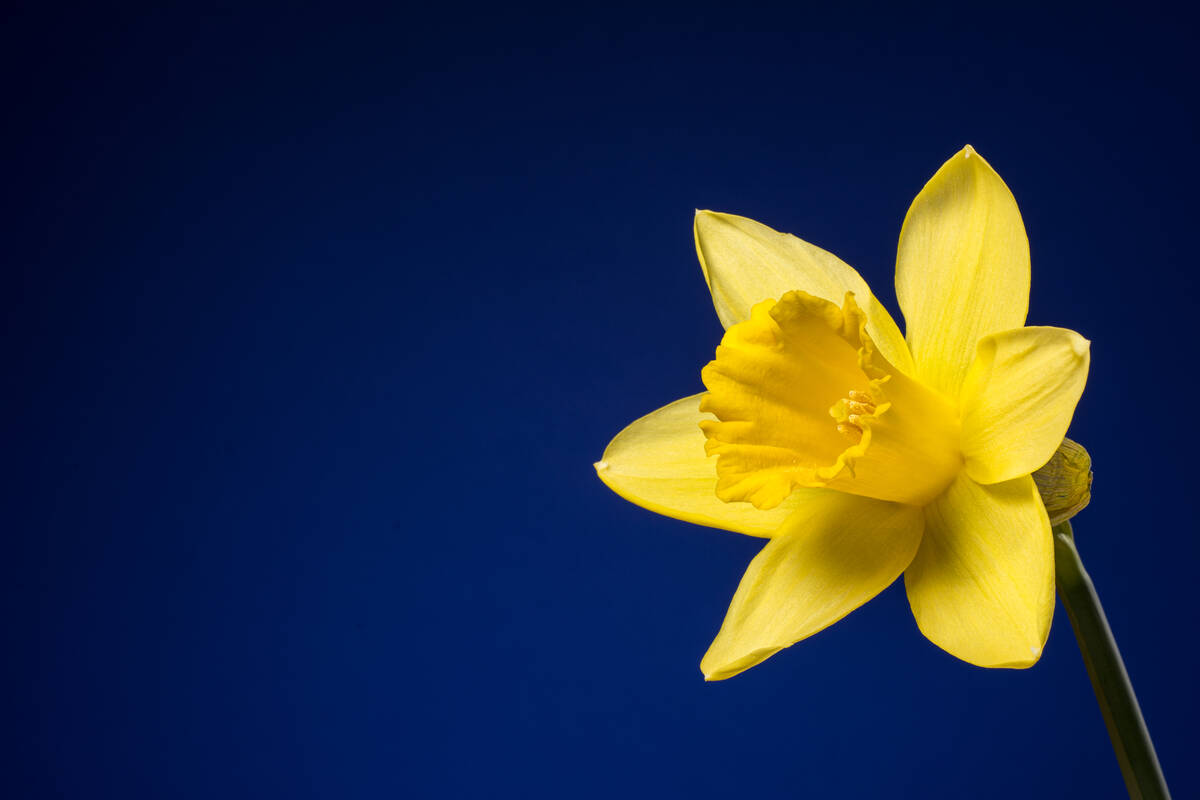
pixel 314 323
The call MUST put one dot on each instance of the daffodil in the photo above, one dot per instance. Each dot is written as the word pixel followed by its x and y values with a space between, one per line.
pixel 863 454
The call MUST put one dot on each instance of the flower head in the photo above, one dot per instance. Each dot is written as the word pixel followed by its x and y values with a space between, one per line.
pixel 863 454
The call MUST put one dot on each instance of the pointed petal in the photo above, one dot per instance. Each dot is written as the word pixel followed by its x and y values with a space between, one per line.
pixel 1018 399
pixel 962 268
pixel 834 554
pixel 982 584
pixel 745 262
pixel 658 462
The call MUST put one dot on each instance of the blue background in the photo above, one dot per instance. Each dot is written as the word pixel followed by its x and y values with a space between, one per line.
pixel 315 322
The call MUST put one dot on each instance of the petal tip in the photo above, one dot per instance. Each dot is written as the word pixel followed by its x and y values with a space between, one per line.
pixel 723 666
pixel 1023 662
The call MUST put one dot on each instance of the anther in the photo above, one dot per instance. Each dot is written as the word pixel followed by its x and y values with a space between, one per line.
pixel 851 410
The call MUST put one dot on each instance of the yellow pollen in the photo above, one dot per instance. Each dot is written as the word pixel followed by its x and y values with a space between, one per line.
pixel 862 397
pixel 849 412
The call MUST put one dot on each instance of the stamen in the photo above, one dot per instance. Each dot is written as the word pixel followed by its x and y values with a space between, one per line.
pixel 849 413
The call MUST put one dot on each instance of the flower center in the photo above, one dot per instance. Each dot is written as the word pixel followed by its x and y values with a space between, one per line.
pixel 849 413
pixel 780 376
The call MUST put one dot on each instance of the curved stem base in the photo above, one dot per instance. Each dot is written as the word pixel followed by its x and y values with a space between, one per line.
pixel 1114 692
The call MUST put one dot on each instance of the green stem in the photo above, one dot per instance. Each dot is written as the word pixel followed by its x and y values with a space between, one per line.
pixel 1114 692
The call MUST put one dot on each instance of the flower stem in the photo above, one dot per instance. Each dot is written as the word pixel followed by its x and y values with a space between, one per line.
pixel 1114 692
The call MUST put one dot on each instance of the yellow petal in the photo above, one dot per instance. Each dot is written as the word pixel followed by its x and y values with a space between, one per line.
pixel 982 584
pixel 834 554
pixel 802 399
pixel 962 268
pixel 745 262
pixel 1018 399
pixel 658 462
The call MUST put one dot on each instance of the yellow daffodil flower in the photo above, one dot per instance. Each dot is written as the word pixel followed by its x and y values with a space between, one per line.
pixel 862 454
